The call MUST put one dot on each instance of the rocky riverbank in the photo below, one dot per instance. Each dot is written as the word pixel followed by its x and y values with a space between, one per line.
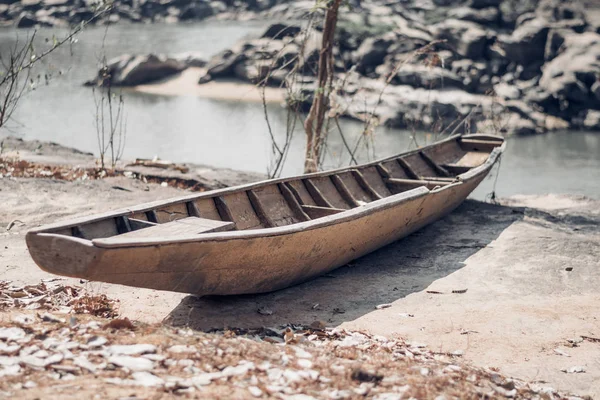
pixel 502 66
pixel 29 13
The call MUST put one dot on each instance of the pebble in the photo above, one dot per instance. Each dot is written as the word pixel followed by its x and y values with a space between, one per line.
pixel 96 341
pixel 131 349
pixel 574 370
pixel 147 379
pixel 47 317
pixel 132 363
pixel 10 370
pixel 12 334
pixel 9 349
pixel 182 349
pixel 304 363
pixel 84 363
pixel 255 391
pixel 29 385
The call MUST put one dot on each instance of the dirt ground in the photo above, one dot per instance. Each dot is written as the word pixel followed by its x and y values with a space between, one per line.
pixel 511 286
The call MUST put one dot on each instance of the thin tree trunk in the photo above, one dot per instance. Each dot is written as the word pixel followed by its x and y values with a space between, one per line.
pixel 313 125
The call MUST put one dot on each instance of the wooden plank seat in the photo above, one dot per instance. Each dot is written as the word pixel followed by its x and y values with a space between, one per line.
pixel 180 227
pixel 470 160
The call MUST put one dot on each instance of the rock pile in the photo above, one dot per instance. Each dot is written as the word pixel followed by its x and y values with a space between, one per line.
pixel 515 72
pixel 133 70
pixel 29 13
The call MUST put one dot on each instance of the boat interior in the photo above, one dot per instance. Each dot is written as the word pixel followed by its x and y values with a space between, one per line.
pixel 293 200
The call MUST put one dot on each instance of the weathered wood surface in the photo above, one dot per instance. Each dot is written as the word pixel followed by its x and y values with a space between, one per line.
pixel 181 227
pixel 279 232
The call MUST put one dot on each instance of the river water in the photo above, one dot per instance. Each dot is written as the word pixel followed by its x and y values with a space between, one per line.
pixel 234 134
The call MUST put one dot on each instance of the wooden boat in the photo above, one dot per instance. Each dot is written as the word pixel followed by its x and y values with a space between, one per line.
pixel 265 236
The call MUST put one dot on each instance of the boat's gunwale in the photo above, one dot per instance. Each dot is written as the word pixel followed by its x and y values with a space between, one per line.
pixel 354 213
pixel 217 192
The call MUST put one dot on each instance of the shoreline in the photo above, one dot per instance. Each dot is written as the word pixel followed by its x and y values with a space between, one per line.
pixel 186 83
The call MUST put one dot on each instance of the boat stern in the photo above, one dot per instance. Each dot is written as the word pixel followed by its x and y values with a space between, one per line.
pixel 62 255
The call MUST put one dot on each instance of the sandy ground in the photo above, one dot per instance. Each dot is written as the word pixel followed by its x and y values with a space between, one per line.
pixel 530 268
pixel 186 84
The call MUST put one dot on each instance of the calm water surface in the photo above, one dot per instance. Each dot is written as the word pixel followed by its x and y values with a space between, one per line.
pixel 234 134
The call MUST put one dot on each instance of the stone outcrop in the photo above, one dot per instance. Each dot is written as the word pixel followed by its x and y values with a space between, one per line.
pixel 133 70
pixel 518 66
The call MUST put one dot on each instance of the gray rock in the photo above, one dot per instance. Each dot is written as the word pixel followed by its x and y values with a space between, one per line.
pixel 527 43
pixel 571 75
pixel 26 20
pixel 131 349
pixel 196 11
pixel 515 124
pixel 483 16
pixel 147 379
pixel 279 31
pixel 467 38
pixel 484 3
pixel 506 91
pixel 128 70
pixel 12 334
pixel 132 363
pixel 556 38
pixel 191 59
pixel 560 10
pixel 592 120
pixel 372 52
pixel 595 89
pixel 420 75
pixel 471 74
pixel 223 64
pixel 510 10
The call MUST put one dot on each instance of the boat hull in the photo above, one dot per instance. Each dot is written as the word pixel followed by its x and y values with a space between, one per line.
pixel 274 259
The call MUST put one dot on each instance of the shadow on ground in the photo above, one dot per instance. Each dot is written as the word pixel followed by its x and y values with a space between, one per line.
pixel 391 273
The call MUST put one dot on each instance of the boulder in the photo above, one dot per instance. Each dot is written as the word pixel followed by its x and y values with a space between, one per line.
pixel 372 52
pixel 422 76
pixel 556 38
pixel 484 3
pixel 515 124
pixel 133 70
pixel 223 64
pixel 511 10
pixel 527 43
pixel 471 74
pixel 571 75
pixel 196 11
pixel 26 20
pixel 506 91
pixel 403 106
pixel 592 120
pixel 595 89
pixel 467 38
pixel 485 16
pixel 279 31
pixel 191 59
pixel 560 10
